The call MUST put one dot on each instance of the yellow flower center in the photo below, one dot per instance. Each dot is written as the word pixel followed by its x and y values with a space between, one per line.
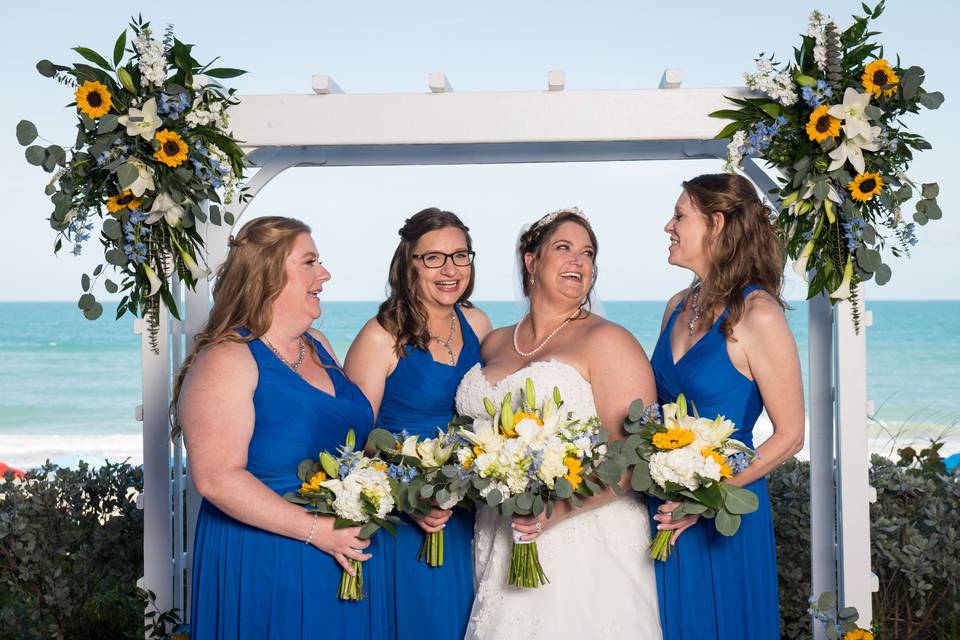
pixel 574 469
pixel 521 416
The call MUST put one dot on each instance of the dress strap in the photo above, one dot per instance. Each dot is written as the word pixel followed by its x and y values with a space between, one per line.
pixel 325 357
pixel 750 288
pixel 465 326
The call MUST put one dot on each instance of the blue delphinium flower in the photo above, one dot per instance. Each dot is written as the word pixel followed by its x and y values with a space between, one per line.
pixel 910 234
pixel 850 229
pixel 818 94
pixel 738 461
pixel 761 136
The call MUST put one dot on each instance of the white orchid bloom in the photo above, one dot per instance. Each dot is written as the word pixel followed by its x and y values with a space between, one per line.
pixel 164 206
pixel 852 149
pixel 800 264
pixel 144 181
pixel 851 111
pixel 843 291
pixel 409 447
pixel 155 282
pixel 142 122
pixel 196 270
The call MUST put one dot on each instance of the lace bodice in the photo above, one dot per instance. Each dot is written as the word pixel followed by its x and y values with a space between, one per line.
pixel 576 392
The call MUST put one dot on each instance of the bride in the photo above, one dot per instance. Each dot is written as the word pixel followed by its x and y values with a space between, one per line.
pixel 601 578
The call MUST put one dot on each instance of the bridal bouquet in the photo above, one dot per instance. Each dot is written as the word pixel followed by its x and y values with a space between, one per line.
pixel 685 459
pixel 427 474
pixel 523 461
pixel 153 145
pixel 832 123
pixel 357 491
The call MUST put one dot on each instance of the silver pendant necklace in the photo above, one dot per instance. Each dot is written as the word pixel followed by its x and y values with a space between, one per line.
pixel 301 352
pixel 447 344
pixel 696 309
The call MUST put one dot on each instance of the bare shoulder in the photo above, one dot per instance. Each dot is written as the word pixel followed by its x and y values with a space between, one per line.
pixel 495 341
pixel 762 312
pixel 322 339
pixel 610 338
pixel 478 320
pixel 211 363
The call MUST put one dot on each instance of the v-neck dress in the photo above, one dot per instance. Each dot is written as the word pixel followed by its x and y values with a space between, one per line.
pixel 250 583
pixel 428 602
pixel 714 587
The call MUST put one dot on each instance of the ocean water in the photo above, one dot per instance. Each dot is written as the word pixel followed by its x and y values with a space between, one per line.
pixel 68 387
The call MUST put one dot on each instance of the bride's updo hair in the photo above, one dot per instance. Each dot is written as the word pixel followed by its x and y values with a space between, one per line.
pixel 747 251
pixel 533 240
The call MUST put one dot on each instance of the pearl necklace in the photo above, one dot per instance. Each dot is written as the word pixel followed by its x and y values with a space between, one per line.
pixel 696 309
pixel 446 343
pixel 527 354
pixel 301 351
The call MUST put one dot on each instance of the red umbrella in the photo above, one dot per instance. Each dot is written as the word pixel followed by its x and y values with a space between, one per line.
pixel 4 468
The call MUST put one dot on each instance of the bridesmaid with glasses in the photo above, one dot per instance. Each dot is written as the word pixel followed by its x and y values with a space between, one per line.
pixel 408 361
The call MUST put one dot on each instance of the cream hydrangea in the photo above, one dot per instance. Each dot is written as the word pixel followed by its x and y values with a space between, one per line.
pixel 684 466
pixel 369 483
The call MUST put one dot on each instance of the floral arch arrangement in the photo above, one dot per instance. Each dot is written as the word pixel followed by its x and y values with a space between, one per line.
pixel 153 144
pixel 830 123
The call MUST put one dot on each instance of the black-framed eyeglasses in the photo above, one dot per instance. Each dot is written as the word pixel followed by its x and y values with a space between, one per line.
pixel 436 259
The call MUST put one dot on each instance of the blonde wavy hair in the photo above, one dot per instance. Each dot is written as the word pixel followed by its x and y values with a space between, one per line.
pixel 747 251
pixel 248 282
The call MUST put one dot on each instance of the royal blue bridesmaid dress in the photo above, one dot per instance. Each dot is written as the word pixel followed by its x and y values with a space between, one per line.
pixel 249 583
pixel 429 602
pixel 713 587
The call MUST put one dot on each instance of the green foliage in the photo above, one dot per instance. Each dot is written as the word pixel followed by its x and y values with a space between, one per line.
pixel 914 535
pixel 71 551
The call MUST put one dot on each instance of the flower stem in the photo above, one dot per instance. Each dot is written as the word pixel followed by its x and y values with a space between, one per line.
pixel 525 569
pixel 660 547
pixel 431 551
pixel 351 587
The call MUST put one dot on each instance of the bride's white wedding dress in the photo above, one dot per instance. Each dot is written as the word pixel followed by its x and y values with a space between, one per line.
pixel 602 582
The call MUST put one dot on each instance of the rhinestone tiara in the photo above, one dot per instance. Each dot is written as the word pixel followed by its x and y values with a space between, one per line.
pixel 550 217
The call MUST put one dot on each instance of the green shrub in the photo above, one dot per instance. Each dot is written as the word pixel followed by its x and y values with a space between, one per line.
pixel 915 538
pixel 71 551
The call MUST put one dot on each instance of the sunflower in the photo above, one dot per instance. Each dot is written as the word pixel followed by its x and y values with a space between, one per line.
pixel 520 416
pixel 93 98
pixel 865 186
pixel 314 483
pixel 125 200
pixel 574 469
pixel 822 125
pixel 173 150
pixel 672 438
pixel 858 634
pixel 879 78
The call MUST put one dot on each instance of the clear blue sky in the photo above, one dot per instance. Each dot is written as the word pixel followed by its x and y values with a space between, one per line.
pixel 377 47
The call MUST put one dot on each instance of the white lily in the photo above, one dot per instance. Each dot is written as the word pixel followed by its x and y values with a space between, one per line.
pixel 144 181
pixel 852 149
pixel 800 264
pixel 142 122
pixel 155 282
pixel 164 206
pixel 196 270
pixel 851 111
pixel 843 291
pixel 433 453
pixel 409 447
pixel 484 435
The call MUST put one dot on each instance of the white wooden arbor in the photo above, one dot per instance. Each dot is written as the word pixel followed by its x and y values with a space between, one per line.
pixel 331 128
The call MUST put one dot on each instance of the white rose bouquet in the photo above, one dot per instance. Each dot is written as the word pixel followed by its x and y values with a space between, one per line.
pixel 523 460
pixel 357 491
pixel 427 474
pixel 686 458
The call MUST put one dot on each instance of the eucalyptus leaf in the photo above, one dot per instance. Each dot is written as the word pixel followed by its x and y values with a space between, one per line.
pixel 86 301
pixel 525 501
pixel 739 500
pixel 215 214
pixel 933 211
pixel 426 491
pixel 442 495
pixel 873 112
pixel 883 274
pixel 85 282
pixel 931 100
pixel 47 69
pixel 869 234
pixel 107 123
pixel 110 286
pixel 920 218
pixel 228 218
pixel 494 497
pixel 98 269
pixel 127 174
pixel 26 132
pixel 116 257
pixel 35 155
pixel 726 523
pixel 563 488
pixel 93 312
pixel 930 190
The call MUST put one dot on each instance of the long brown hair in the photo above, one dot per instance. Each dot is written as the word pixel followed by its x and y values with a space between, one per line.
pixel 533 239
pixel 747 250
pixel 248 282
pixel 403 314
